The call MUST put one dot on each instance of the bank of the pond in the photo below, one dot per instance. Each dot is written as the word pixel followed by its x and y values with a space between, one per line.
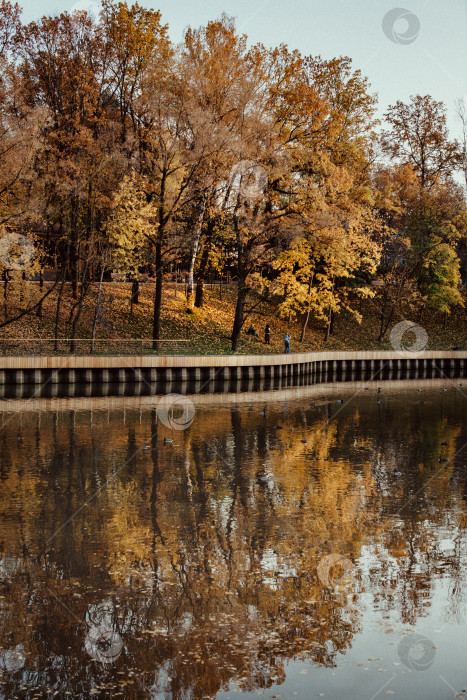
pixel 294 368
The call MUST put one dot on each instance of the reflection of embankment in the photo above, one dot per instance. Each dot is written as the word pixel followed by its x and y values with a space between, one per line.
pixel 207 549
pixel 85 403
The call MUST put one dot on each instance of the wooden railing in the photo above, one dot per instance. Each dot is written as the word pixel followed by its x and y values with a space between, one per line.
pixel 14 347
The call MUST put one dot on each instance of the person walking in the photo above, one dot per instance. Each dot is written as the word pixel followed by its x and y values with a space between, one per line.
pixel 267 334
pixel 251 331
pixel 287 340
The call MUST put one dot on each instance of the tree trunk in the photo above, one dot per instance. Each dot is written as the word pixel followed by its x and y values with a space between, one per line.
pixel 238 320
pixel 5 293
pixel 381 319
pixel 84 289
pixel 241 290
pixel 304 325
pixel 203 266
pixel 387 320
pixel 385 326
pixel 98 303
pixel 41 286
pixel 199 296
pixel 21 287
pixel 135 291
pixel 74 255
pixel 328 326
pixel 77 317
pixel 156 326
pixel 134 294
pixel 381 328
pixel 59 303
pixel 194 253
pixel 307 315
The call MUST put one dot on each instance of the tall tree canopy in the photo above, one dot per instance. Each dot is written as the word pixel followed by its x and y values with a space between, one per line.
pixel 122 149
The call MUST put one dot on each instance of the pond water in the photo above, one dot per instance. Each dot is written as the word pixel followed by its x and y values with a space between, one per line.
pixel 309 543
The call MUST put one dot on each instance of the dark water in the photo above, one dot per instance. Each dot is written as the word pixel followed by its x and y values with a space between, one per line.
pixel 289 546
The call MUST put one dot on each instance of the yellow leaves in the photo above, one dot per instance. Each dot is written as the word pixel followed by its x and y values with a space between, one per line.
pixel 135 31
pixel 129 224
pixel 311 266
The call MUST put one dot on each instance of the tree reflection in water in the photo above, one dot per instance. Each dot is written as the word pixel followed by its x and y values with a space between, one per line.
pixel 181 567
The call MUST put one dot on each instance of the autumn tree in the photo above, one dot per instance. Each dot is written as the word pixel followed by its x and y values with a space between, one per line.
pixel 127 230
pixel 64 66
pixel 260 196
pixel 213 70
pixel 135 38
pixel 88 78
pixel 332 257
pixel 418 136
pixel 423 209
pixel 20 127
pixel 20 146
pixel 461 109
pixel 182 144
pixel 419 238
pixel 327 271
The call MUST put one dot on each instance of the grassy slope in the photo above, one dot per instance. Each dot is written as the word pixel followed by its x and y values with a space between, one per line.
pixel 209 328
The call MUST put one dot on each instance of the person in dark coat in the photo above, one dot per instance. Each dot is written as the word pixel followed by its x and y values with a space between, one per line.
pixel 267 334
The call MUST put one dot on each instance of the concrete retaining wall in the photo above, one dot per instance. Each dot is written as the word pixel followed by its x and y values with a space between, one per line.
pixel 316 367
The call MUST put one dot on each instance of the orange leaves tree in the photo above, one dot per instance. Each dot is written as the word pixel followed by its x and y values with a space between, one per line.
pixel 331 256
pixel 423 209
pixel 125 147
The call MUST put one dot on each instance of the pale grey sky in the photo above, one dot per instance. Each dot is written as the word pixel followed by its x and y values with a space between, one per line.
pixel 433 59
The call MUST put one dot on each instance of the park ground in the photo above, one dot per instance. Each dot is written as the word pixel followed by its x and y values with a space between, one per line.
pixel 208 329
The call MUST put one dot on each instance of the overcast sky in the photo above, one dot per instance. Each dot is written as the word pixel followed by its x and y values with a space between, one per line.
pixel 422 47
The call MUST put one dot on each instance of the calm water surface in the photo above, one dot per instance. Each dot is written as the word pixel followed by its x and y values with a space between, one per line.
pixel 310 546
